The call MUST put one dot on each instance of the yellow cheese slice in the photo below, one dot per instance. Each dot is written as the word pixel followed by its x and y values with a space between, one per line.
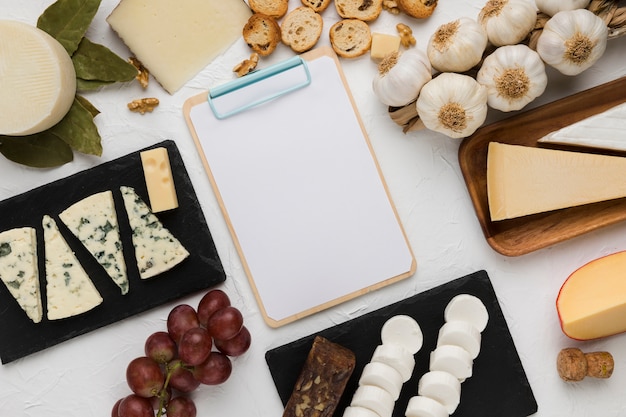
pixel 383 45
pixel 176 39
pixel 524 180
pixel 37 79
pixel 159 180
pixel 592 301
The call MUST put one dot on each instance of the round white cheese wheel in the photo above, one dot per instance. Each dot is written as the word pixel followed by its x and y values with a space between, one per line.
pixel 403 330
pixel 384 376
pixel 452 359
pixel 442 387
pixel 469 308
pixel 397 357
pixel 37 79
pixel 420 406
pixel 374 398
pixel 460 333
pixel 355 411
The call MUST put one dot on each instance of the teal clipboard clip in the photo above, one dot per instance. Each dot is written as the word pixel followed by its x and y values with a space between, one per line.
pixel 257 77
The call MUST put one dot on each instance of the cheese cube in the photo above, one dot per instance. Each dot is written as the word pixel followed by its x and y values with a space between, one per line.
pixel 383 44
pixel 158 173
pixel 176 39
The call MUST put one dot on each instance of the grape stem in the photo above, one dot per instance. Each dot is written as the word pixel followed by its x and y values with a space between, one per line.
pixel 163 393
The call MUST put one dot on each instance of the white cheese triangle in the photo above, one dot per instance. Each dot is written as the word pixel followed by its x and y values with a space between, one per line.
pixel 156 249
pixel 606 130
pixel 69 289
pixel 524 180
pixel 19 270
pixel 93 221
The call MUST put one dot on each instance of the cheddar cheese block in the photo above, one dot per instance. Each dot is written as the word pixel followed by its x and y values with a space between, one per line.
pixel 524 180
pixel 19 270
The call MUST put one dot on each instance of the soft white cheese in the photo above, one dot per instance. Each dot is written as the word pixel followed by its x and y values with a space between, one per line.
pixel 93 221
pixel 69 289
pixel 37 79
pixel 19 270
pixel 156 249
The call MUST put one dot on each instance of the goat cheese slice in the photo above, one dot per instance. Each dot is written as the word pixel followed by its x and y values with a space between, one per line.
pixel 69 289
pixel 156 249
pixel 93 221
pixel 19 270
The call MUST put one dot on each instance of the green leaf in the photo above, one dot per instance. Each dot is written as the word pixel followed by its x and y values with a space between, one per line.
pixel 68 20
pixel 79 131
pixel 87 104
pixel 41 150
pixel 93 61
pixel 90 85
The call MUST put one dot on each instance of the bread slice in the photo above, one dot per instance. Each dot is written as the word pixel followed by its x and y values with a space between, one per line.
pixel 301 29
pixel 366 10
pixel 262 34
pixel 317 5
pixel 273 8
pixel 419 9
pixel 350 38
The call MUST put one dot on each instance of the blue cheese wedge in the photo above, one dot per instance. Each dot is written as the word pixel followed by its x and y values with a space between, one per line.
pixel 93 221
pixel 606 130
pixel 156 249
pixel 19 270
pixel 70 291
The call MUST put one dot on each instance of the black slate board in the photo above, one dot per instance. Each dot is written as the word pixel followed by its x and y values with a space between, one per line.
pixel 20 337
pixel 498 387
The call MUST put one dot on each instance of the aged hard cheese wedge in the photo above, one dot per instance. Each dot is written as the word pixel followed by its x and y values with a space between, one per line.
pixel 37 80
pixel 19 270
pixel 156 249
pixel 158 173
pixel 524 180
pixel 592 301
pixel 604 130
pixel 93 221
pixel 176 39
pixel 69 289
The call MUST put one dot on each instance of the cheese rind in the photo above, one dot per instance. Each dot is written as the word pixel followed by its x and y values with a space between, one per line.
pixel 93 221
pixel 592 301
pixel 159 180
pixel 19 269
pixel 523 180
pixel 156 248
pixel 176 39
pixel 37 80
pixel 69 289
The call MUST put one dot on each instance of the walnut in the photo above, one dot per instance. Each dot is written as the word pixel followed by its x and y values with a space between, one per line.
pixel 247 65
pixel 143 74
pixel 406 35
pixel 143 105
pixel 391 6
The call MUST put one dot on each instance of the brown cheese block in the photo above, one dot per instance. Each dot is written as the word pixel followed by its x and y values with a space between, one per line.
pixel 321 382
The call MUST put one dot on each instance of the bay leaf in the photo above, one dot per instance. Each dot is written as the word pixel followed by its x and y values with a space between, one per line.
pixel 79 131
pixel 91 85
pixel 68 20
pixel 93 61
pixel 87 104
pixel 41 150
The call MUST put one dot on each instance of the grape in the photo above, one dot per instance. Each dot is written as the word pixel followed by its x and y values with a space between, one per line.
pixel 181 378
pixel 215 370
pixel 235 346
pixel 160 347
pixel 145 377
pixel 135 406
pixel 181 407
pixel 210 303
pixel 225 323
pixel 195 346
pixel 116 408
pixel 182 318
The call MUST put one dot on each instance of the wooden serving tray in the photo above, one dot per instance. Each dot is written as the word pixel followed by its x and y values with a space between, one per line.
pixel 519 236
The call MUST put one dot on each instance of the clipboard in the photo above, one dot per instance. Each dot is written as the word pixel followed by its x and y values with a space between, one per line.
pixel 299 187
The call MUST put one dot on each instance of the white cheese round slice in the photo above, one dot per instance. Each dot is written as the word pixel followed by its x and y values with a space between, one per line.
pixel 374 398
pixel 442 387
pixel 403 330
pixel 420 406
pixel 384 376
pixel 397 357
pixel 460 333
pixel 452 359
pixel 467 307
pixel 355 411
pixel 37 79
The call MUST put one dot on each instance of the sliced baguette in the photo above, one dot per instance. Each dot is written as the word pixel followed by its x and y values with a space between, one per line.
pixel 262 34
pixel 273 8
pixel 365 10
pixel 317 5
pixel 350 38
pixel 301 29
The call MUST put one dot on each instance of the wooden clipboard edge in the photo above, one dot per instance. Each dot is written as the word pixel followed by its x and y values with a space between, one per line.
pixel 324 51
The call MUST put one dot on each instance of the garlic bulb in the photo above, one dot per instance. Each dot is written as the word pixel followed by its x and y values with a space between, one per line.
pixel 572 41
pixel 453 104
pixel 507 22
pixel 552 7
pixel 514 76
pixel 457 46
pixel 401 77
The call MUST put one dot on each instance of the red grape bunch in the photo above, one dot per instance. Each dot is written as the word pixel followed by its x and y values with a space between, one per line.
pixel 195 350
